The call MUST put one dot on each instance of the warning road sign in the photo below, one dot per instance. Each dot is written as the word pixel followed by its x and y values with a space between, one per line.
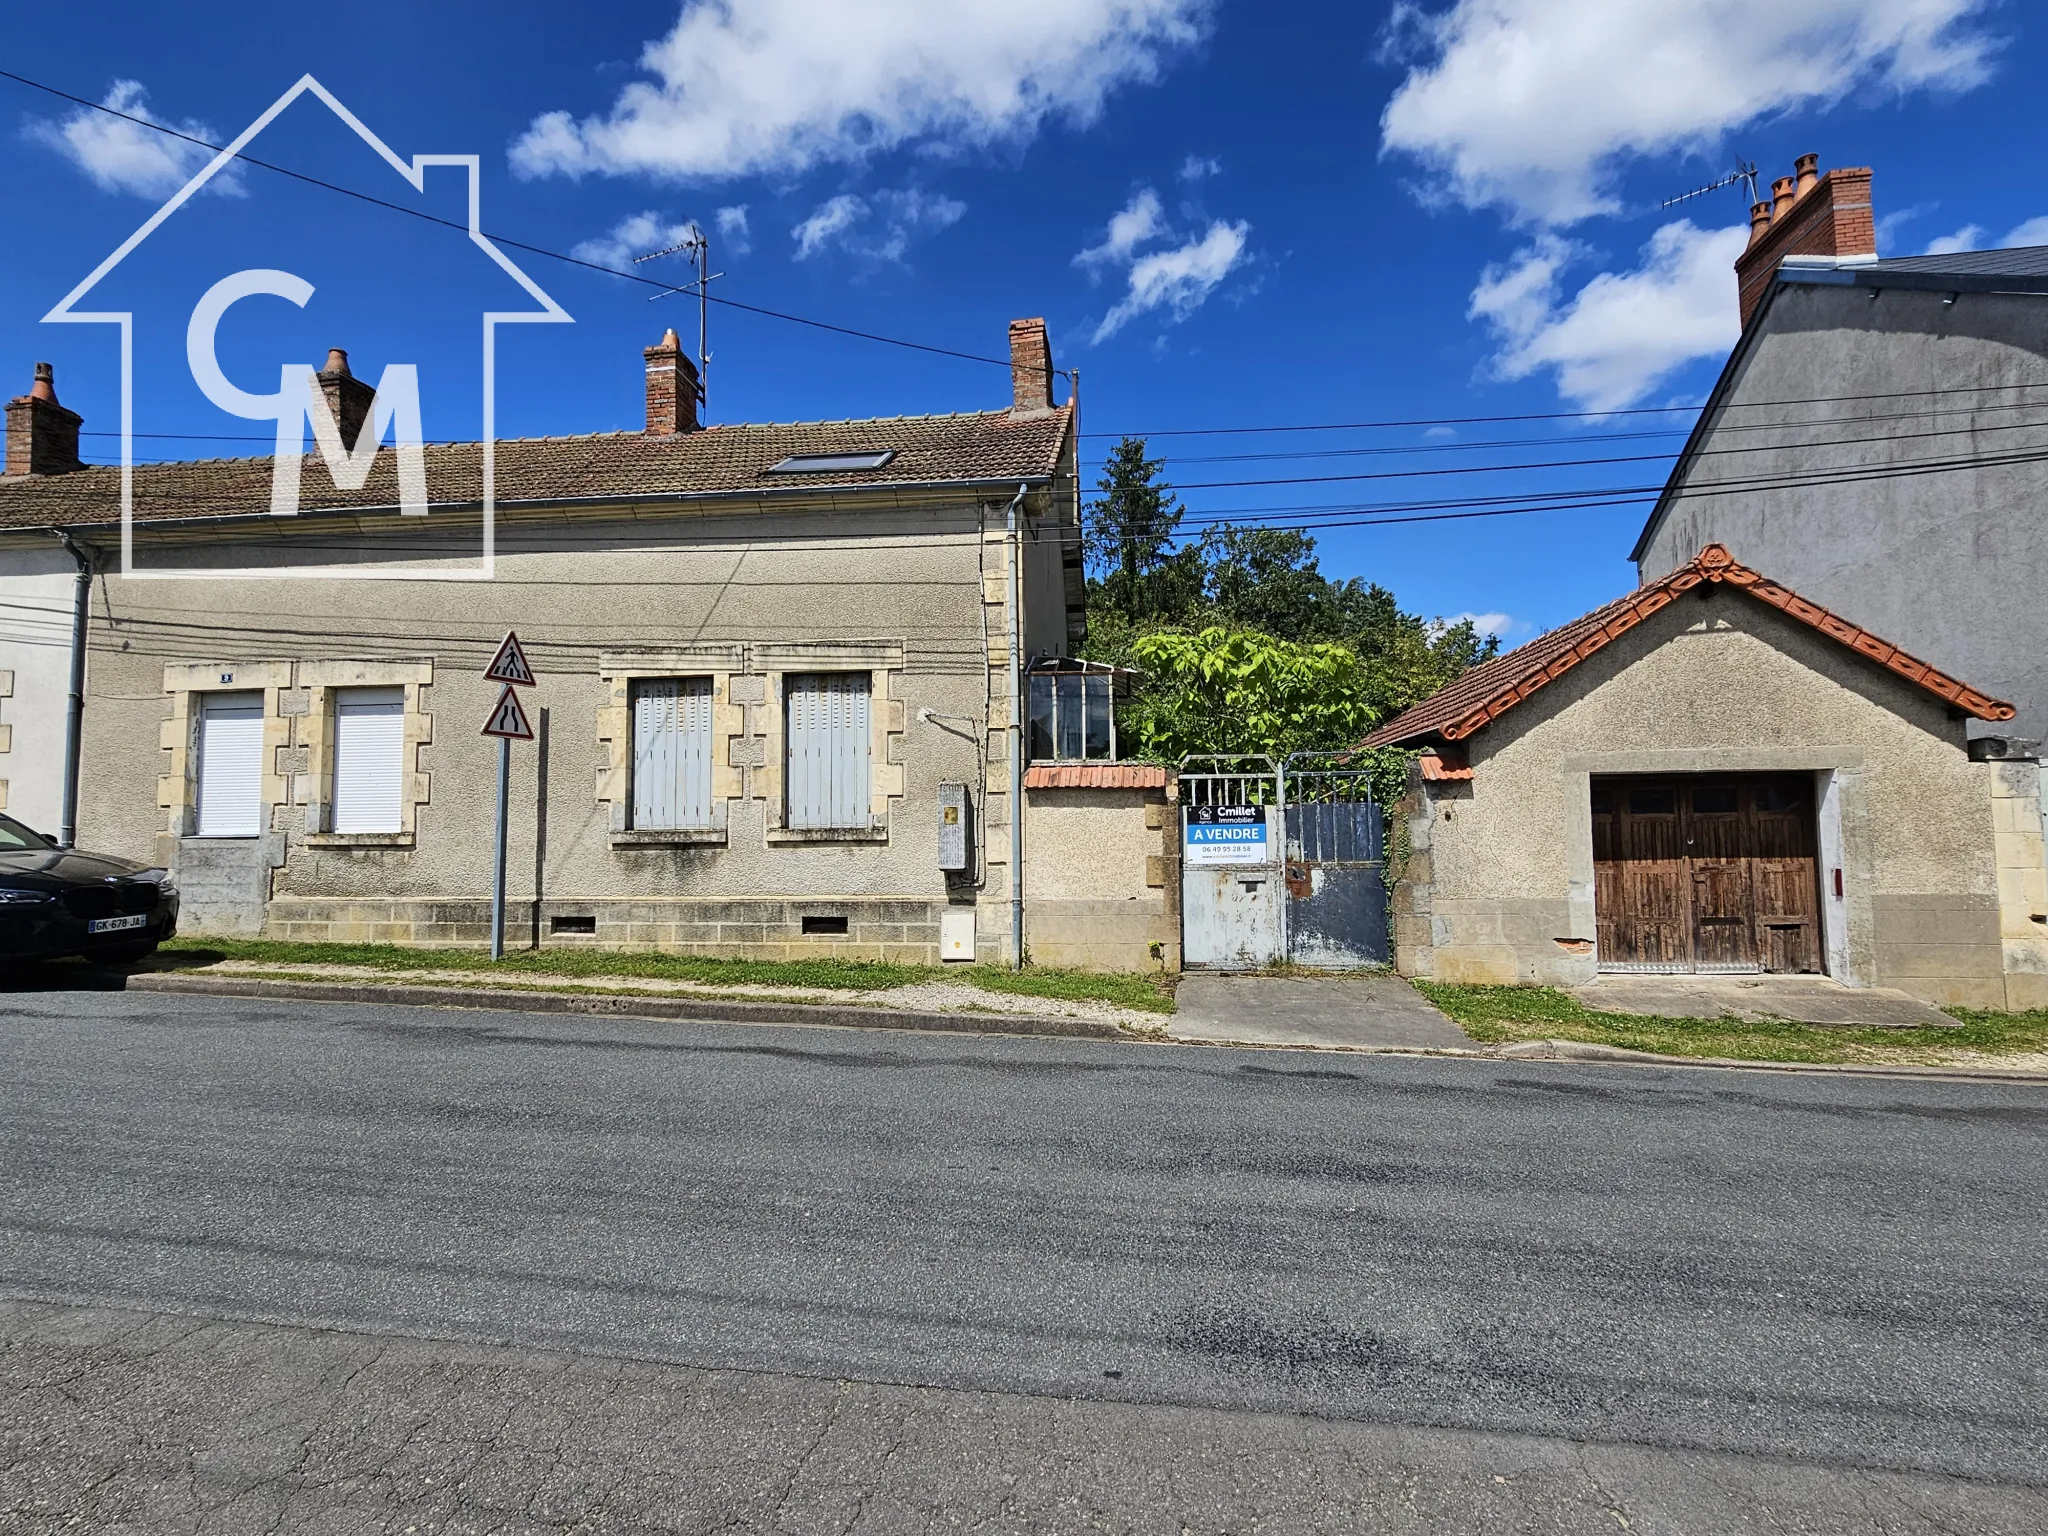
pixel 508 719
pixel 509 665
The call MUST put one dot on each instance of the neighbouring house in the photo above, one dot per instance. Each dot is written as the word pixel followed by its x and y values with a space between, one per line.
pixel 774 702
pixel 39 593
pixel 1879 439
pixel 1715 774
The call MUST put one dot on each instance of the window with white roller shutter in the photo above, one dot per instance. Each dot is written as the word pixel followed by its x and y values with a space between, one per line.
pixel 230 765
pixel 829 752
pixel 369 760
pixel 671 752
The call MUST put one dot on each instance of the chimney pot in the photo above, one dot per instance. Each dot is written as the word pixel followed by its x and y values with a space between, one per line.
pixel 42 436
pixel 349 399
pixel 1759 220
pixel 1830 218
pixel 673 389
pixel 1030 366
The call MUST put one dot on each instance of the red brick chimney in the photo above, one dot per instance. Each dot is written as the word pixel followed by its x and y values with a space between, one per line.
pixel 1808 215
pixel 42 437
pixel 1030 366
pixel 349 399
pixel 672 388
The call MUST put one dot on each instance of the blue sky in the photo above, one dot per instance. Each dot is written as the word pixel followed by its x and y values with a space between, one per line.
pixel 1233 215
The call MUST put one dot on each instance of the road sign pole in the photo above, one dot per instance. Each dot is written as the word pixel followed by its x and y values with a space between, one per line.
pixel 498 875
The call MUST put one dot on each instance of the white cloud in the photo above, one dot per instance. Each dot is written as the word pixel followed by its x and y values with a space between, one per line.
pixel 1180 279
pixel 1968 238
pixel 123 156
pixel 1971 238
pixel 638 234
pixel 1140 221
pixel 1196 167
pixel 1621 333
pixel 1176 280
pixel 877 230
pixel 829 219
pixel 1531 105
pixel 733 226
pixel 1485 624
pixel 781 86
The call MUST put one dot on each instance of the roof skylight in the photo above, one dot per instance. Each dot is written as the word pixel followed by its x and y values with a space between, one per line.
pixel 821 463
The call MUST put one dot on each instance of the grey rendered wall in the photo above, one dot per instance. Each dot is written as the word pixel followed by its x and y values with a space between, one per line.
pixel 576 586
pixel 1502 888
pixel 1954 565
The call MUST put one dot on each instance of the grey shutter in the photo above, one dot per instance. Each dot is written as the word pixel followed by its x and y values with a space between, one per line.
pixel 369 760
pixel 231 765
pixel 828 750
pixel 672 752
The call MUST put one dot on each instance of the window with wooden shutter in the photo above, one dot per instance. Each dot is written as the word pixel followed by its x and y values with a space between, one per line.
pixel 369 760
pixel 828 750
pixel 231 765
pixel 672 752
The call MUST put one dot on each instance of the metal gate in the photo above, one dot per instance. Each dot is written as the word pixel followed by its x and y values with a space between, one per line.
pixel 1336 910
pixel 1231 906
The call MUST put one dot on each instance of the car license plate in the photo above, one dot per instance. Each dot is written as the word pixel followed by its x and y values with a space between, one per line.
pixel 116 924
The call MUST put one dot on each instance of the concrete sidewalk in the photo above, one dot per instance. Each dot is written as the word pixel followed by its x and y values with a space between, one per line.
pixel 1370 1010
pixel 1800 999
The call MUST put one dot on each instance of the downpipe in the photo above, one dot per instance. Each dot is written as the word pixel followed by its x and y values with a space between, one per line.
pixel 1016 548
pixel 74 717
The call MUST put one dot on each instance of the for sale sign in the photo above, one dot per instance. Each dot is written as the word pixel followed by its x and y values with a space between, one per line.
pixel 1225 834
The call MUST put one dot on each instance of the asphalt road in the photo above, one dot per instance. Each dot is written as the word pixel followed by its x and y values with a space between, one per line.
pixel 1849 1272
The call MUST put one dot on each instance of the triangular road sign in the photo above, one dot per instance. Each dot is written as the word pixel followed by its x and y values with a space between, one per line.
pixel 509 665
pixel 507 718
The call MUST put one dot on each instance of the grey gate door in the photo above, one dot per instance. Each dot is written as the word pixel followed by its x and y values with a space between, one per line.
pixel 1231 903
pixel 1336 913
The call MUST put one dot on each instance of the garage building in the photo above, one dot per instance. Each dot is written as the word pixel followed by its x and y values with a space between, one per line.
pixel 1713 774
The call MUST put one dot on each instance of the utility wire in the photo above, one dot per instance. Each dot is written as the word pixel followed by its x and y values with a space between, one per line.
pixel 1642 410
pixel 521 245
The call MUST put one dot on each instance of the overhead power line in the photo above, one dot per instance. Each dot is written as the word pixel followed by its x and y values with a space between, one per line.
pixel 505 240
pixel 1640 410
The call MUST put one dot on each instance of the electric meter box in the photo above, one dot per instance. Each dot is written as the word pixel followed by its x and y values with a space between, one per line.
pixel 955 841
pixel 956 935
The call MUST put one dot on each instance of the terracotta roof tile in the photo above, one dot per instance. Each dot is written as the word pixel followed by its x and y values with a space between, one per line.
pixel 1096 776
pixel 986 445
pixel 1493 687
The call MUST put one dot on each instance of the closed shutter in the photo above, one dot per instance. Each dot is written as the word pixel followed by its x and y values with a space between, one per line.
pixel 672 752
pixel 231 765
pixel 828 750
pixel 369 760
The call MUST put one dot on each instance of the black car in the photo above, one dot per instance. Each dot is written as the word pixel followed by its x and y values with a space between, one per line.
pixel 58 901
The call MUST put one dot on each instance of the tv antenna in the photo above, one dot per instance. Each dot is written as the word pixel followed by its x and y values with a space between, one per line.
pixel 1744 172
pixel 698 249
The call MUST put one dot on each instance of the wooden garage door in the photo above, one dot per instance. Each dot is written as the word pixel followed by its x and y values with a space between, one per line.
pixel 1713 872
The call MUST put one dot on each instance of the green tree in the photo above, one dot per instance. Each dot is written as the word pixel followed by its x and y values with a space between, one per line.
pixel 1223 689
pixel 1129 540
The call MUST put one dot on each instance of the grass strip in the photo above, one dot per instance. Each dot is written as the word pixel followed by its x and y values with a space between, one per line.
pixel 1498 1015
pixel 1128 991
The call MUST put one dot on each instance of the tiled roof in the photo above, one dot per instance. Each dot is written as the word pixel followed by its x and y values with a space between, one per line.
pixel 1494 687
pixel 1096 776
pixel 985 445
pixel 2018 261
